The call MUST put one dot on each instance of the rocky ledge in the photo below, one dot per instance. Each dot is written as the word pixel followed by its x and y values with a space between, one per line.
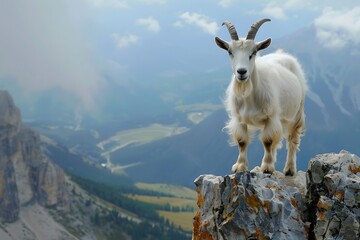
pixel 323 203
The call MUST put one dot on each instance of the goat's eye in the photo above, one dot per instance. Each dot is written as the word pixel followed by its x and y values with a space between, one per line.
pixel 230 53
pixel 252 55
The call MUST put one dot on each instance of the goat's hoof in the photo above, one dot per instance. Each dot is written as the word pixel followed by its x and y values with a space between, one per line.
pixel 267 168
pixel 289 172
pixel 239 167
pixel 267 171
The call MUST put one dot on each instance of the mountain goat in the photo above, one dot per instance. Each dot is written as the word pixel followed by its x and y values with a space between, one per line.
pixel 267 94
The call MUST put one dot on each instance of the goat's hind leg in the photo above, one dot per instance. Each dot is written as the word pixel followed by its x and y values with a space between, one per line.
pixel 293 143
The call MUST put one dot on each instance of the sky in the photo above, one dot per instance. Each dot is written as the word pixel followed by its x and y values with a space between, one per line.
pixel 75 45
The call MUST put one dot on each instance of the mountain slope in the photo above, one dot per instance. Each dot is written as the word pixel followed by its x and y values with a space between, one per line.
pixel 38 201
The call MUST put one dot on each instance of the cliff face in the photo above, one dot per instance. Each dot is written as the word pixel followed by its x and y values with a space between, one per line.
pixel 26 175
pixel 323 203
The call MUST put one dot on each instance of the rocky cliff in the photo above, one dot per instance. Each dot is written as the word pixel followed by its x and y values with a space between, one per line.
pixel 26 175
pixel 323 203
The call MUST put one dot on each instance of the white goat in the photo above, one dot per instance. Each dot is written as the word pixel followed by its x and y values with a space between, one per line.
pixel 266 93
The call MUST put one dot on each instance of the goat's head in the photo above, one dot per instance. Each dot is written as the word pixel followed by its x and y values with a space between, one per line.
pixel 242 51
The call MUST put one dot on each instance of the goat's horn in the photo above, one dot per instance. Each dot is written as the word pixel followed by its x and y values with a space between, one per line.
pixel 232 30
pixel 255 27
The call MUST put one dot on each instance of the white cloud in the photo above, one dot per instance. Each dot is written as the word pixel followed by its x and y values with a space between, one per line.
pixel 124 41
pixel 283 9
pixel 151 24
pixel 199 20
pixel 336 28
pixel 44 49
pixel 272 10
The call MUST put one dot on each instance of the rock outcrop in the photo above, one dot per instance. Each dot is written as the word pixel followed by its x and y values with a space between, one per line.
pixel 333 184
pixel 26 175
pixel 322 203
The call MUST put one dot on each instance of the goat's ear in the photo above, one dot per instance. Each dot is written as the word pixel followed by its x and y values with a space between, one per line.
pixel 221 43
pixel 264 44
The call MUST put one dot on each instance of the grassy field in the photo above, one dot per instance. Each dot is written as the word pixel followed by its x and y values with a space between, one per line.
pixel 196 113
pixel 182 219
pixel 139 136
pixel 176 191
pixel 172 201
pixel 182 198
pixel 198 117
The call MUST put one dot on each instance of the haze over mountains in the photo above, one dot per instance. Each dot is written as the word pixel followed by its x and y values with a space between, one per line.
pixel 151 68
pixel 332 111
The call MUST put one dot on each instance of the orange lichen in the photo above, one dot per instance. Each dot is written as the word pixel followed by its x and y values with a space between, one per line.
pixel 196 224
pixel 246 232
pixel 294 203
pixel 266 206
pixel 322 205
pixel 280 196
pixel 320 215
pixel 200 200
pixel 274 187
pixel 339 195
pixel 259 235
pixel 234 190
pixel 199 229
pixel 354 168
pixel 234 182
pixel 252 201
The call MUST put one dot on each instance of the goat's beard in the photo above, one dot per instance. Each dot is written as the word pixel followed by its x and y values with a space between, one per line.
pixel 243 89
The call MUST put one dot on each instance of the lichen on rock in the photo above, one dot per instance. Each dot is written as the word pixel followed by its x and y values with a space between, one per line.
pixel 333 183
pixel 323 203
pixel 248 205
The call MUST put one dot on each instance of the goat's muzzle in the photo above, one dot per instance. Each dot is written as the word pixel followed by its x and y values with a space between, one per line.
pixel 242 74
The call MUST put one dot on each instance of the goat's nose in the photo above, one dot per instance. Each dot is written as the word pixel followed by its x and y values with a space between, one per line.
pixel 242 71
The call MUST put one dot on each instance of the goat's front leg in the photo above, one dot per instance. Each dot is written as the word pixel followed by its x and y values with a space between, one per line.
pixel 243 138
pixel 271 139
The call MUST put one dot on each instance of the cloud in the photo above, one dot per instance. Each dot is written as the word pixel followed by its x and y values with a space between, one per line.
pixel 43 49
pixel 272 10
pixel 337 28
pixel 151 24
pixel 281 9
pixel 199 20
pixel 124 41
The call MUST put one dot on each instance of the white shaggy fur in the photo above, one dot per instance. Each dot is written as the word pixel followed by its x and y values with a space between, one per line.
pixel 267 94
